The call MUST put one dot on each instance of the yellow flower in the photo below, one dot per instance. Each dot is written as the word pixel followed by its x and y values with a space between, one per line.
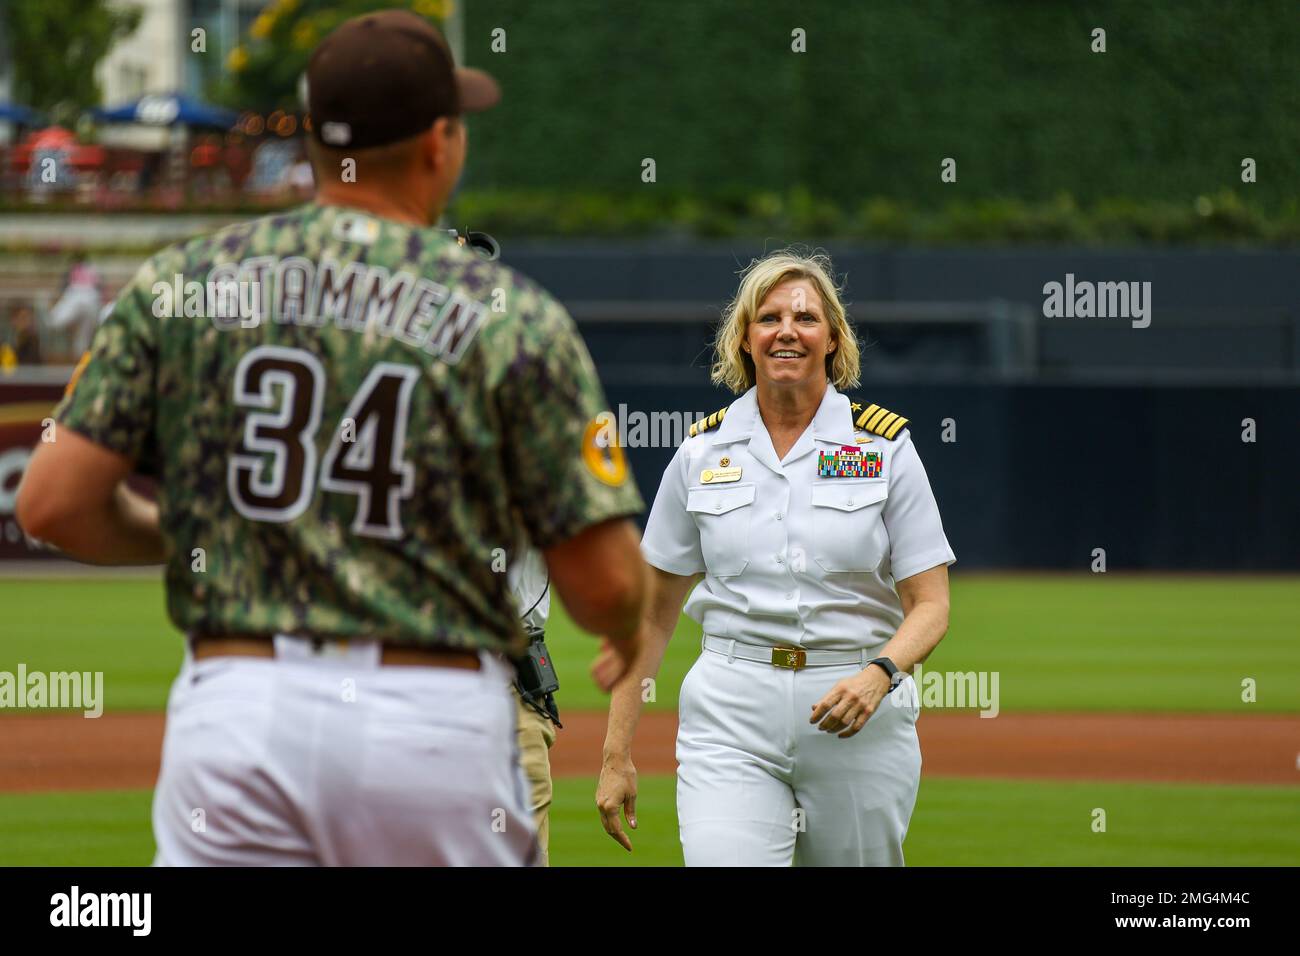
pixel 261 27
pixel 437 9
pixel 237 60
pixel 269 18
pixel 304 35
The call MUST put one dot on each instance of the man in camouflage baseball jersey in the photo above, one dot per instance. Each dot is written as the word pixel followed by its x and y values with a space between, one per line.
pixel 344 409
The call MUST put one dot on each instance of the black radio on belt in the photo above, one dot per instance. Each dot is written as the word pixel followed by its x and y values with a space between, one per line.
pixel 535 677
pixel 535 670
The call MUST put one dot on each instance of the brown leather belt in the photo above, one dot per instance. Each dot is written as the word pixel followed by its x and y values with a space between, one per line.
pixel 205 646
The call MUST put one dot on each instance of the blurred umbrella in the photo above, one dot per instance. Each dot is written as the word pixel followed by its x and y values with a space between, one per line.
pixel 53 137
pixel 172 109
pixel 56 139
pixel 17 113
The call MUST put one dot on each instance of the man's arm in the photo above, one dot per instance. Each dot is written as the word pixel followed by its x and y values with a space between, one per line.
pixel 659 620
pixel 601 578
pixel 575 502
pixel 72 494
pixel 72 497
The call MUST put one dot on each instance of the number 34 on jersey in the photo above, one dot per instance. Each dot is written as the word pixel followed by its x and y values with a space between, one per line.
pixel 364 457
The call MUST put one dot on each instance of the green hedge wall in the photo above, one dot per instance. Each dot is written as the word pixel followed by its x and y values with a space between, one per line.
pixel 887 89
pixel 1219 220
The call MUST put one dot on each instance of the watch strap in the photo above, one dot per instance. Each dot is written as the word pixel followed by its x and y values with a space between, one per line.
pixel 889 668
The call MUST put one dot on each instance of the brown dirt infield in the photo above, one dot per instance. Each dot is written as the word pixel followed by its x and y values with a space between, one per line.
pixel 70 752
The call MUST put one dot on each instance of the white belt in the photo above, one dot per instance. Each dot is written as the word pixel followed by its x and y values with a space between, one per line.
pixel 793 658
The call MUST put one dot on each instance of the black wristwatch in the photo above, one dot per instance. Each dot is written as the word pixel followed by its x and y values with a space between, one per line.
pixel 889 669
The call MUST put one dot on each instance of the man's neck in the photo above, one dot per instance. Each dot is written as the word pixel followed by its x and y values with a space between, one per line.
pixel 383 205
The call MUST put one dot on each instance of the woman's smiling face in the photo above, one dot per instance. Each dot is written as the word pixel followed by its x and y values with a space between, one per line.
pixel 789 336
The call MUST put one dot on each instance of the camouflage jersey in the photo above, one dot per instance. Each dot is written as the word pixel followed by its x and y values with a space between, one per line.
pixel 351 420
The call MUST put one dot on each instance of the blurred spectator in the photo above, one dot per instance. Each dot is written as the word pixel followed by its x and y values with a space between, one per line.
pixel 272 163
pixel 151 171
pixel 208 174
pixel 301 181
pixel 48 157
pixel 79 306
pixel 206 154
pixel 239 159
pixel 26 338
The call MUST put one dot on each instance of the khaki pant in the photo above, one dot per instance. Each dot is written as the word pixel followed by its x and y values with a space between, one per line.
pixel 536 735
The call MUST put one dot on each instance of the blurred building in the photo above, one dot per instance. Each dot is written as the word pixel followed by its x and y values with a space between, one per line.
pixel 159 57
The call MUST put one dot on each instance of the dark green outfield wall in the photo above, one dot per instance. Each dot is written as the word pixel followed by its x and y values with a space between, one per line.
pixel 886 90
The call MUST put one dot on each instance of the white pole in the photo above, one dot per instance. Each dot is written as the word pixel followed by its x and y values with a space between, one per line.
pixel 454 30
pixel 6 80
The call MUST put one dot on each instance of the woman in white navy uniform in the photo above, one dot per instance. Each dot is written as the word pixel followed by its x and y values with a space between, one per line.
pixel 825 581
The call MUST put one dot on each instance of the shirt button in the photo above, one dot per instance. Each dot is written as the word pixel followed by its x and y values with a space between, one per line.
pixel 849 502
pixel 789 596
pixel 717 505
pixel 779 516
pixel 780 560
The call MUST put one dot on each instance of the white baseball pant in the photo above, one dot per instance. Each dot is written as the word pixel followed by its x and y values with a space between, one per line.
pixel 325 757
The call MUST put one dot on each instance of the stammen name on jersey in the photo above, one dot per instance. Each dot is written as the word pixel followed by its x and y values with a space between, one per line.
pixel 355 296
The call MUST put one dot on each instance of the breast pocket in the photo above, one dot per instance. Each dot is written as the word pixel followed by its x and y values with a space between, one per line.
pixel 848 525
pixel 723 514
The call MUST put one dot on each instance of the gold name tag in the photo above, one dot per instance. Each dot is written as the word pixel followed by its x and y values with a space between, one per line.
pixel 712 476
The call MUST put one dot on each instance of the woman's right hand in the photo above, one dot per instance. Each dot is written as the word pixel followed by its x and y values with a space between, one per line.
pixel 616 791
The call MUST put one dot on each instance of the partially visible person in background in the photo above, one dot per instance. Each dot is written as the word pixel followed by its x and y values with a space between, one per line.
pixel 25 336
pixel 272 164
pixel 538 718
pixel 238 160
pixel 301 182
pixel 205 166
pixel 79 307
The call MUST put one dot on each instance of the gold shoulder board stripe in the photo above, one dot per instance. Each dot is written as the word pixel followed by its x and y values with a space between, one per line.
pixel 704 424
pixel 880 421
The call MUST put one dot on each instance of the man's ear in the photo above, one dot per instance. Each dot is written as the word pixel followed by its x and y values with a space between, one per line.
pixel 432 147
pixel 440 137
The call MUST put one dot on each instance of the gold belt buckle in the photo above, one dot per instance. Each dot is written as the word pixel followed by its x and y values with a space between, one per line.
pixel 792 658
pixel 323 648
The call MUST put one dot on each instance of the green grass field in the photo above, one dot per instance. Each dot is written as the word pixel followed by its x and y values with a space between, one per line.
pixel 956 823
pixel 1059 643
pixel 1087 642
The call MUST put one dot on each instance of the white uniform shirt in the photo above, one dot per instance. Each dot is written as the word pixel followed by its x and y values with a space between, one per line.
pixel 791 558
pixel 528 580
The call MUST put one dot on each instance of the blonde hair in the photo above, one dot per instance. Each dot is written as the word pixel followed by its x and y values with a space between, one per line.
pixel 734 367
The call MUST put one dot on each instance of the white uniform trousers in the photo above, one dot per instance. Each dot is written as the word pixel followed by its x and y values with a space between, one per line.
pixel 758 785
pixel 331 759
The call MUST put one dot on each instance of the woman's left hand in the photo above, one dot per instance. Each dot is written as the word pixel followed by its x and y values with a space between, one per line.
pixel 848 705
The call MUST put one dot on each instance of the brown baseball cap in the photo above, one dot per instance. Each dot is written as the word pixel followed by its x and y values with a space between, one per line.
pixel 386 76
